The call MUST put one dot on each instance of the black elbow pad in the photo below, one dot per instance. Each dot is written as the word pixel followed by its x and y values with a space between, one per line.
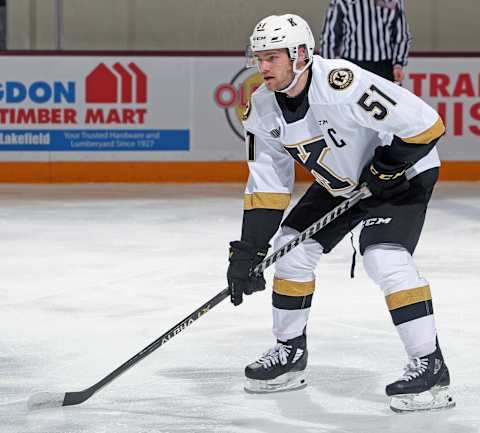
pixel 408 153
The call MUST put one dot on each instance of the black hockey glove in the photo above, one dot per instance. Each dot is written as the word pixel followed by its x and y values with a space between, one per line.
pixel 384 177
pixel 243 258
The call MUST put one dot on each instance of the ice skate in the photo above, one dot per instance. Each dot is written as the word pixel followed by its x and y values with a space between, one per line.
pixel 281 368
pixel 423 386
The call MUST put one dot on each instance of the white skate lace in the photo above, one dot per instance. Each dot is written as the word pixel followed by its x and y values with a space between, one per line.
pixel 414 368
pixel 277 354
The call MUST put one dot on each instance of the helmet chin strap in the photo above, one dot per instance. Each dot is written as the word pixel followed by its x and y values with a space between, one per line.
pixel 296 75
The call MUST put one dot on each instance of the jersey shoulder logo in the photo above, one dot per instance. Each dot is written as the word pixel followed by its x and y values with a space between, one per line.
pixel 246 112
pixel 340 79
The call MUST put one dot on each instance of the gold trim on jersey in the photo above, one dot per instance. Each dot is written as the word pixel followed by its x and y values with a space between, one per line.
pixel 425 137
pixel 293 288
pixel 408 297
pixel 266 200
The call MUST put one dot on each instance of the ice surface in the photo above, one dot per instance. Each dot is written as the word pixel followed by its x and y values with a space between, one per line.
pixel 45 400
pixel 89 275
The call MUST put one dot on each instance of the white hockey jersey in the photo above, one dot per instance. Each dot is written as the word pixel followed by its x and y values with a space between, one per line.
pixel 351 112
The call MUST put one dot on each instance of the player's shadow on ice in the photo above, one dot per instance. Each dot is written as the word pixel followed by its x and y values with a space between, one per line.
pixel 347 400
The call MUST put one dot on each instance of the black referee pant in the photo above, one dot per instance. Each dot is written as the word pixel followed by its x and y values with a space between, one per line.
pixel 384 68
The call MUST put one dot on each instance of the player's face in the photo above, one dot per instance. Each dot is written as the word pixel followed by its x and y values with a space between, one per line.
pixel 275 67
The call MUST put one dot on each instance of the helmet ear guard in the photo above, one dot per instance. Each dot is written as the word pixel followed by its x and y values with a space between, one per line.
pixel 294 52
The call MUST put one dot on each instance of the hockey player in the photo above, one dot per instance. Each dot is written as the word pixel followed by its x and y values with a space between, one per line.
pixel 346 126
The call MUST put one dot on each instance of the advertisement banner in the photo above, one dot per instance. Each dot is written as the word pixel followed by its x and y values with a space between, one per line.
pixel 93 108
pixel 148 108
pixel 452 87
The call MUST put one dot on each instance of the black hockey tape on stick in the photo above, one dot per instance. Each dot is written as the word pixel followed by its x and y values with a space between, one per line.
pixel 44 400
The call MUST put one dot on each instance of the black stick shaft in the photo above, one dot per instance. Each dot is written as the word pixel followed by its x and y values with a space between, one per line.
pixel 78 397
pixel 72 398
pixel 172 332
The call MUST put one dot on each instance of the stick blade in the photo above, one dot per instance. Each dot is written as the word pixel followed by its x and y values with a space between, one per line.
pixel 45 400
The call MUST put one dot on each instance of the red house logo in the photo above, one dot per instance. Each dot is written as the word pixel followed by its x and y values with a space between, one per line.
pixel 106 85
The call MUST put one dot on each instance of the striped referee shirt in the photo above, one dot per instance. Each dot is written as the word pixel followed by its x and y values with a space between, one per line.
pixel 366 30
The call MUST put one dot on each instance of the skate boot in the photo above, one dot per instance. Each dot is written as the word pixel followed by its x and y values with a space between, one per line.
pixel 281 368
pixel 423 386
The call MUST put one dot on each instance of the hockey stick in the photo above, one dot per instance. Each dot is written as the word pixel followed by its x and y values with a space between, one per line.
pixel 43 400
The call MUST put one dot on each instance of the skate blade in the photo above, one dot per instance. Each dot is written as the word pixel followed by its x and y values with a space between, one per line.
pixel 437 398
pixel 286 382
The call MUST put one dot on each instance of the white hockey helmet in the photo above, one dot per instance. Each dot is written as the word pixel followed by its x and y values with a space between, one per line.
pixel 282 31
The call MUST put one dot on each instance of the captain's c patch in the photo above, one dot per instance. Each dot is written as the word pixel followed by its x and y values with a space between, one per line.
pixel 340 79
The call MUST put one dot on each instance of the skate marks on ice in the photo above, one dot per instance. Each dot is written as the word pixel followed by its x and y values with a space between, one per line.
pixel 351 400
pixel 17 376
pixel 336 399
pixel 197 400
pixel 212 399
